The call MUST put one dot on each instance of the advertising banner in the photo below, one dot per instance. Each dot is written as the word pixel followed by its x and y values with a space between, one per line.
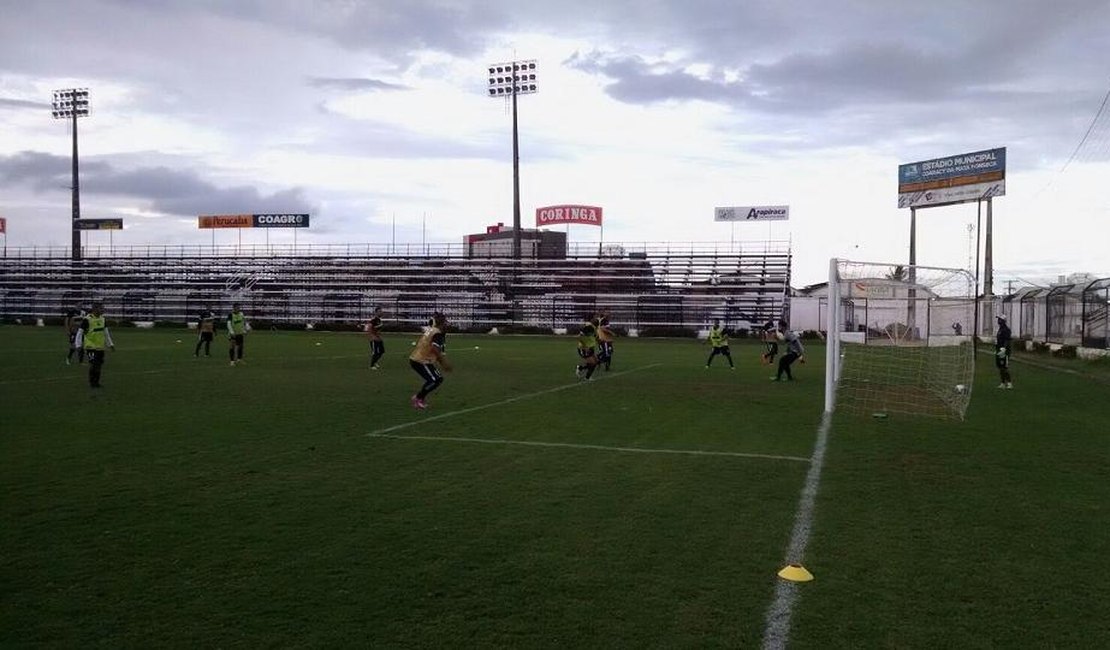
pixel 953 179
pixel 269 220
pixel 225 221
pixel 3 225
pixel 752 213
pixel 99 224
pixel 280 220
pixel 589 215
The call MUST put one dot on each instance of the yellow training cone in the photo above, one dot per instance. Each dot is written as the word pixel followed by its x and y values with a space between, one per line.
pixel 795 573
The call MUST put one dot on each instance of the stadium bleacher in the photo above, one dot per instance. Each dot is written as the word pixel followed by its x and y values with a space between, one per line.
pixel 655 288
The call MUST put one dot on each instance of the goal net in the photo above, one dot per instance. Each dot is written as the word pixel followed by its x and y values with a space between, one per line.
pixel 899 339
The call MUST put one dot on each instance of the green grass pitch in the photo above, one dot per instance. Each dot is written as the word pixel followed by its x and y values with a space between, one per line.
pixel 300 501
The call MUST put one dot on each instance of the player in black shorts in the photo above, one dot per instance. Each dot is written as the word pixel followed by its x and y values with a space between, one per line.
pixel 206 331
pixel 377 346
pixel 73 318
pixel 771 338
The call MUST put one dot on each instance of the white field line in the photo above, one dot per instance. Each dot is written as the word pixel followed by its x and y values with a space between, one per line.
pixel 219 358
pixel 510 400
pixel 571 445
pixel 387 432
pixel 1048 366
pixel 81 376
pixel 776 631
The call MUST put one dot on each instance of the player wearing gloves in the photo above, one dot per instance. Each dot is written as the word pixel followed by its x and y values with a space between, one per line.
pixel 1003 348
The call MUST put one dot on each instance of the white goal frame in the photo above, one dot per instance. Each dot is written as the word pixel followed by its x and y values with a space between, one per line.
pixel 943 362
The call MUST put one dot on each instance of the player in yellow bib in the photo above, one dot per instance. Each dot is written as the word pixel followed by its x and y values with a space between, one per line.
pixel 587 346
pixel 94 337
pixel 236 332
pixel 718 338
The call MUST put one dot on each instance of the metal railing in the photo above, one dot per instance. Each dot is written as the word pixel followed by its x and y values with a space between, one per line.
pixel 386 250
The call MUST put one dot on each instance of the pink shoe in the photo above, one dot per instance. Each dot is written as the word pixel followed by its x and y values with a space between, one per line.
pixel 418 403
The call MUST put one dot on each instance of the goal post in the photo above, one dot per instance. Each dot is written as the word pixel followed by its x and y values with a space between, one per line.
pixel 900 339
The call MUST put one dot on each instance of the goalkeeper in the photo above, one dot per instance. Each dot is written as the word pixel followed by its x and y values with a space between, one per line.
pixel 794 351
pixel 1003 348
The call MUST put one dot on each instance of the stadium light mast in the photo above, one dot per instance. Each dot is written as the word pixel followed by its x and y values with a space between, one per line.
pixel 510 79
pixel 70 104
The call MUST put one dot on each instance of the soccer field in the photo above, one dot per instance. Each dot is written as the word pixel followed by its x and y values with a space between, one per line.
pixel 299 500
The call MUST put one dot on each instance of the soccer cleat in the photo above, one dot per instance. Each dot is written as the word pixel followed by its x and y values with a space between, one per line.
pixel 1002 385
pixel 232 363
pixel 1009 385
pixel 375 367
pixel 732 367
pixel 775 379
pixel 418 403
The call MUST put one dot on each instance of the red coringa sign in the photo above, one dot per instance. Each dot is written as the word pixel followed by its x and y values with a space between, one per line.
pixel 589 215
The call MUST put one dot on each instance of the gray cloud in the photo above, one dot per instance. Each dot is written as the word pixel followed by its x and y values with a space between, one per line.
pixel 353 83
pixel 7 102
pixel 170 191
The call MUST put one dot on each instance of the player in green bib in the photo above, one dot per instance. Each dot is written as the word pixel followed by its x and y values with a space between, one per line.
pixel 718 338
pixel 236 332
pixel 94 337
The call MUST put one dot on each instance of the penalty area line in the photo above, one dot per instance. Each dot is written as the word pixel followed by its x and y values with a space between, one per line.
pixel 388 431
pixel 572 445
pixel 482 407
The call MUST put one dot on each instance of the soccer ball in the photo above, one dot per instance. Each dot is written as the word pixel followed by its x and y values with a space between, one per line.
pixel 961 389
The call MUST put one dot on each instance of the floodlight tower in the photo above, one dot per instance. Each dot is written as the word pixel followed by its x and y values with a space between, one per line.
pixel 509 80
pixel 72 103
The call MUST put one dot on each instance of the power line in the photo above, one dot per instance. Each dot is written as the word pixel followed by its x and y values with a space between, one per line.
pixel 1079 146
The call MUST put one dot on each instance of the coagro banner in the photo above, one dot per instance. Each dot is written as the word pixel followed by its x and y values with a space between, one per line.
pixel 555 214
pixel 280 220
pixel 272 220
pixel 752 213
pixel 953 179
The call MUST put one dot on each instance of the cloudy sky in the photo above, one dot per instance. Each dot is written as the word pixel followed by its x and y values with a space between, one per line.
pixel 372 115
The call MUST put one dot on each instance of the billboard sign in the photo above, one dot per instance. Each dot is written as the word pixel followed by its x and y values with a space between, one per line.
pixel 3 225
pixel 225 221
pixel 752 213
pixel 280 220
pixel 99 224
pixel 589 215
pixel 269 220
pixel 953 179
